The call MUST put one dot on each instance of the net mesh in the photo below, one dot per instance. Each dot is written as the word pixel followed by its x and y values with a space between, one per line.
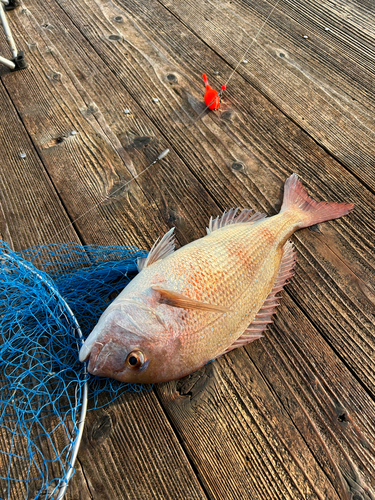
pixel 47 293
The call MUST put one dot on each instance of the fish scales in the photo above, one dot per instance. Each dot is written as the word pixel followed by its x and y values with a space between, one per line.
pixel 190 306
pixel 222 269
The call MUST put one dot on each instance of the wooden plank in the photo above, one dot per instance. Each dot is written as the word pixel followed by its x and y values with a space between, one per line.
pixel 31 213
pixel 214 481
pixel 323 83
pixel 130 452
pixel 256 184
pixel 261 184
pixel 52 104
pixel 50 109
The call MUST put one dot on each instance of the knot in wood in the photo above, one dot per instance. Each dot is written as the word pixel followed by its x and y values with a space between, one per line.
pixel 237 165
pixel 101 429
pixel 140 142
pixel 115 38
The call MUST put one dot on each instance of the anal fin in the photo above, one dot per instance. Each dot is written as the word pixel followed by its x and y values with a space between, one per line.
pixel 264 316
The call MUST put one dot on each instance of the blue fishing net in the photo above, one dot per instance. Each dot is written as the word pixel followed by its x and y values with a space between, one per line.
pixel 49 296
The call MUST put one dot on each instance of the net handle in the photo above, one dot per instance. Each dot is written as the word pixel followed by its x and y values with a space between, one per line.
pixel 82 419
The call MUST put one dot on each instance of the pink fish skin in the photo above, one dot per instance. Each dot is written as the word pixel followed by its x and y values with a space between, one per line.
pixel 190 306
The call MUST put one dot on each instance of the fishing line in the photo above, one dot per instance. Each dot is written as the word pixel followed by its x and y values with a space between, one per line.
pixel 224 87
pixel 166 151
pixel 106 198
pixel 220 93
pixel 285 67
pixel 251 44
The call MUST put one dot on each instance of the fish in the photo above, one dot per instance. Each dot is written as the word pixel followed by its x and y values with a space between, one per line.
pixel 190 306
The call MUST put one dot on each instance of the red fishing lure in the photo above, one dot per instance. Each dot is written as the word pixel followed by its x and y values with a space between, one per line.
pixel 211 96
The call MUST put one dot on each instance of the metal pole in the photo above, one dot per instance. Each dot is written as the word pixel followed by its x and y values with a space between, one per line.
pixel 7 63
pixel 8 33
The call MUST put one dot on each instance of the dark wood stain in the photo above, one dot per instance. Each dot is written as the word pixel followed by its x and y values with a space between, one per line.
pixel 292 415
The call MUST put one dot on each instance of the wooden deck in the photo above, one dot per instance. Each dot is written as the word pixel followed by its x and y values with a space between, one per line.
pixel 291 416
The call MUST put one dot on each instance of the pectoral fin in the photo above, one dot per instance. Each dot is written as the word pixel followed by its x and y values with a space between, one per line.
pixel 176 299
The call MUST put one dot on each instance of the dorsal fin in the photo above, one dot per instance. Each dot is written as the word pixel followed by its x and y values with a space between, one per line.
pixel 246 216
pixel 264 315
pixel 160 250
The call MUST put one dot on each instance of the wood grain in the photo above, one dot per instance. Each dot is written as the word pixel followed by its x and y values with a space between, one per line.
pixel 244 190
pixel 61 156
pixel 27 194
pixel 30 212
pixel 290 416
pixel 87 167
pixel 129 451
pixel 323 83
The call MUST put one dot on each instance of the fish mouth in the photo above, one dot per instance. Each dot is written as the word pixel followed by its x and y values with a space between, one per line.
pixel 93 356
pixel 106 359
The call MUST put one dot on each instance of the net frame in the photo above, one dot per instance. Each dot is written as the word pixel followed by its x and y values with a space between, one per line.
pixel 74 447
pixel 58 270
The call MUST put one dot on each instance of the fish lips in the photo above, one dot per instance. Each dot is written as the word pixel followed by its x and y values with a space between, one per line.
pixel 106 359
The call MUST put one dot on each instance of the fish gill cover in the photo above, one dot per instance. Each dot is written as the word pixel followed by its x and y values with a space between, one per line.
pixel 48 295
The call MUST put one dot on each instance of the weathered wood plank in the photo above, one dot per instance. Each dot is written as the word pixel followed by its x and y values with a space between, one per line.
pixel 48 116
pixel 130 452
pixel 290 468
pixel 30 208
pixel 323 82
pixel 256 184
pixel 214 481
pixel 73 161
pixel 31 212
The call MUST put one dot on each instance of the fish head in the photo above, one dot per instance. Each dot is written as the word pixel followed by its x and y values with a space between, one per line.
pixel 131 343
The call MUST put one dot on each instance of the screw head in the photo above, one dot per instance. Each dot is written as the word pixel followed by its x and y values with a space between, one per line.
pixel 155 99
pixel 22 155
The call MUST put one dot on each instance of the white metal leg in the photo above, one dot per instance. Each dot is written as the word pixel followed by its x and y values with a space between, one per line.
pixel 7 63
pixel 18 61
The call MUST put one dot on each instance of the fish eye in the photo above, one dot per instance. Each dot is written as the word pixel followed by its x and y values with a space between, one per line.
pixel 135 360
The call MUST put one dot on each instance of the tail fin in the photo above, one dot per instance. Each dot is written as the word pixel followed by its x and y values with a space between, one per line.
pixel 296 197
pixel 204 76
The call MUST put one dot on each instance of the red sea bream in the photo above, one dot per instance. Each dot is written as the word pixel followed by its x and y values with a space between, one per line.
pixel 190 306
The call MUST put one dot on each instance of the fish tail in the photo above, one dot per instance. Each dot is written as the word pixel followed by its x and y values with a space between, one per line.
pixel 313 212
pixel 204 76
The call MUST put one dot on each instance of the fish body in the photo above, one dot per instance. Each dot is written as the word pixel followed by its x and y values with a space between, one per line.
pixel 190 306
